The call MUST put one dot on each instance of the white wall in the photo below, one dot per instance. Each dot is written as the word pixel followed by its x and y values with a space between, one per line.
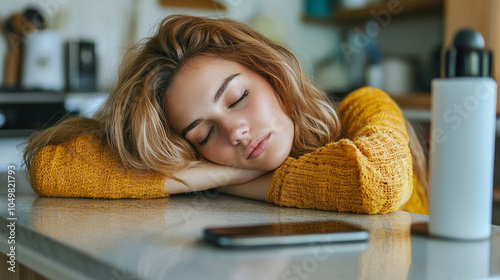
pixel 110 24
pixel 11 151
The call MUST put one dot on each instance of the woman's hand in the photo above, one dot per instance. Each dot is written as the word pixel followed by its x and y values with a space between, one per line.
pixel 205 175
pixel 256 189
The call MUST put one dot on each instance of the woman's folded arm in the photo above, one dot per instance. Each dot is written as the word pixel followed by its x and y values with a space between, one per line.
pixel 85 168
pixel 370 172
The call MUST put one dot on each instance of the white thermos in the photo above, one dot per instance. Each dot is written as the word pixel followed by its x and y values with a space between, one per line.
pixel 463 142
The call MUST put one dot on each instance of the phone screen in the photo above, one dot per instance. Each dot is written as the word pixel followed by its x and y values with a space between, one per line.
pixel 279 234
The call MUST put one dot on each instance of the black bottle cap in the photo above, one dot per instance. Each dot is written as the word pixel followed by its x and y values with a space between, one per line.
pixel 467 57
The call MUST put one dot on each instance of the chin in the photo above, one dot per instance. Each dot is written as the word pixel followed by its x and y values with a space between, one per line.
pixel 274 162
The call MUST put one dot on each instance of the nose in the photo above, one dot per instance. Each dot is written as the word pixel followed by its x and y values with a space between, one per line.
pixel 237 131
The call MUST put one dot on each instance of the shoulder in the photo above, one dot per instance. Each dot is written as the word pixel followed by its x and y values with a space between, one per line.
pixel 364 96
pixel 369 109
pixel 82 145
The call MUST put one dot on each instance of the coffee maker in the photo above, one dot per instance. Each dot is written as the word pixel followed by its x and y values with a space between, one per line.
pixel 43 67
pixel 81 65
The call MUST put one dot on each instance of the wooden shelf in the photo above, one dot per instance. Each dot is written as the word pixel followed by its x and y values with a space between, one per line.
pixel 420 101
pixel 413 100
pixel 403 7
pixel 194 4
pixel 496 194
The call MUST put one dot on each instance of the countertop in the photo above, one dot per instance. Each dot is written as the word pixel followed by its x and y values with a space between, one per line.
pixel 67 238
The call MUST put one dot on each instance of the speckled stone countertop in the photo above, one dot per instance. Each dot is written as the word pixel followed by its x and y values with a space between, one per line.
pixel 162 239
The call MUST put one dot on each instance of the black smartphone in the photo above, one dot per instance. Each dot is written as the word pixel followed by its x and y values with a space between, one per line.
pixel 280 234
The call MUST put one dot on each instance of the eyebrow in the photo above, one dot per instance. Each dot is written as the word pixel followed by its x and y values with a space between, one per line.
pixel 217 96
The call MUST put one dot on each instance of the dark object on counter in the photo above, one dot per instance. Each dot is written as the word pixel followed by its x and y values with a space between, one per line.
pixel 30 116
pixel 285 234
pixel 81 66
pixel 15 30
pixel 31 110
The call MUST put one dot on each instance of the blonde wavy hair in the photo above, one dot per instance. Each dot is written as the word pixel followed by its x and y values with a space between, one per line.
pixel 133 122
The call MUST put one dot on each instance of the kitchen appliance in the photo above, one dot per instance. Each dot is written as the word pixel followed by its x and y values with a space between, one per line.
pixel 43 62
pixel 81 65
pixel 21 111
pixel 15 30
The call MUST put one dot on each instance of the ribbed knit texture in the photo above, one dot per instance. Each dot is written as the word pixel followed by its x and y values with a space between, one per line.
pixel 368 172
pixel 84 167
pixel 418 200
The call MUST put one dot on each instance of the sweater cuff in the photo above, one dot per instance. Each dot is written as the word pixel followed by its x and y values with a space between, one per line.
pixel 279 175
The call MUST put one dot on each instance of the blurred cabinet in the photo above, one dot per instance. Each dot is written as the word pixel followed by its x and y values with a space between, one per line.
pixel 391 16
pixel 21 113
pixel 482 15
pixel 403 7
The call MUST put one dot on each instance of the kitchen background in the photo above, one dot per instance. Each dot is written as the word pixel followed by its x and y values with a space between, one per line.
pixel 344 44
pixel 338 57
pixel 115 24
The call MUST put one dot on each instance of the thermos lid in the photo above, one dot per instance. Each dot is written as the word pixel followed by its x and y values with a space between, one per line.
pixel 467 57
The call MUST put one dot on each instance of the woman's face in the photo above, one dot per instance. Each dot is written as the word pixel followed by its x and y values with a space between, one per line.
pixel 230 114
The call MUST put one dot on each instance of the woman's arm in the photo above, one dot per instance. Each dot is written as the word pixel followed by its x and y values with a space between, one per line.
pixel 84 167
pixel 206 175
pixel 256 189
pixel 371 172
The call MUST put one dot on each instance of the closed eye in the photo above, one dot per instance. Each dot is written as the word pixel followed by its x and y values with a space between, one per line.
pixel 202 143
pixel 243 96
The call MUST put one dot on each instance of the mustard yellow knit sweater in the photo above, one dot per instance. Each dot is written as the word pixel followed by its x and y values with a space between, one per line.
pixel 371 172
pixel 368 172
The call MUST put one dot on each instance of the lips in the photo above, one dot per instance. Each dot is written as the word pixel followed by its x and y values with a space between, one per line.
pixel 257 146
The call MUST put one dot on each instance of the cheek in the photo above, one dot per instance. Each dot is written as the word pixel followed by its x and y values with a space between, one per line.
pixel 270 112
pixel 263 108
pixel 218 154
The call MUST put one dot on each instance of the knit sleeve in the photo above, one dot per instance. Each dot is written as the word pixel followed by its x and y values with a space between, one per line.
pixel 85 168
pixel 368 172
